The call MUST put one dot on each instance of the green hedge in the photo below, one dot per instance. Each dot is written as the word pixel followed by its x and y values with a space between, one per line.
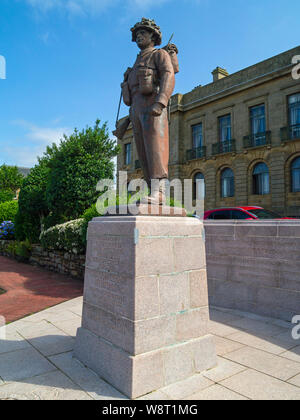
pixel 8 211
pixel 6 195
pixel 67 237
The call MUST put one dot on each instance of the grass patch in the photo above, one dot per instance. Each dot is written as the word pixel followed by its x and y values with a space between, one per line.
pixel 2 291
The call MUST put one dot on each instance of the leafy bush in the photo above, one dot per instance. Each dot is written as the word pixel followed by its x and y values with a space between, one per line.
pixel 8 211
pixel 7 230
pixel 67 237
pixel 6 195
pixel 63 184
pixel 76 166
pixel 10 178
pixel 23 250
pixel 11 248
pixel 32 204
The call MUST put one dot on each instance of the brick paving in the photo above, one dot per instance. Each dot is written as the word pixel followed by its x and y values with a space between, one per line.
pixel 31 289
pixel 257 360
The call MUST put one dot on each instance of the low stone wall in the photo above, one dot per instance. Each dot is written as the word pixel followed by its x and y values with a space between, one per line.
pixel 3 245
pixel 59 261
pixel 254 266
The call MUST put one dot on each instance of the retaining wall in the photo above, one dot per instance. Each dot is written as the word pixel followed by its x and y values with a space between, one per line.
pixel 254 266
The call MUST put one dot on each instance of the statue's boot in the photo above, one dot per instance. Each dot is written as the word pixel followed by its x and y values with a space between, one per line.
pixel 158 194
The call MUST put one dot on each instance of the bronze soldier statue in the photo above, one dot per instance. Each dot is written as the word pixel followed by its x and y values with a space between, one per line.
pixel 147 89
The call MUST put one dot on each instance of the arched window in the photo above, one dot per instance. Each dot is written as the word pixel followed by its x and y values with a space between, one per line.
pixel 295 174
pixel 227 183
pixel 261 182
pixel 198 186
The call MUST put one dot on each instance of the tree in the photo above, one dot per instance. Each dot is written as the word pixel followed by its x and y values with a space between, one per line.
pixel 10 178
pixel 76 166
pixel 32 204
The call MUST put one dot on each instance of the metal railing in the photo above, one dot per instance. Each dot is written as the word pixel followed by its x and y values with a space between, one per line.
pixel 223 147
pixel 258 139
pixel 196 153
pixel 291 132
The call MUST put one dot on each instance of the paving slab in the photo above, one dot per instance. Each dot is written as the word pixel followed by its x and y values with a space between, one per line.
pixel 12 342
pixel 23 364
pixel 223 317
pixel 216 392
pixel 86 378
pixel 224 345
pixel 249 363
pixel 70 326
pixel 292 354
pixel 155 396
pixel 257 327
pixel 269 344
pixel 49 386
pixel 187 387
pixel 223 370
pixel 221 330
pixel 267 363
pixel 295 380
pixel 258 386
pixel 47 338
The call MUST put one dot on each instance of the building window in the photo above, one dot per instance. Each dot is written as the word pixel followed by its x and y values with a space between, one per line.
pixel 294 115
pixel 198 186
pixel 225 128
pixel 197 135
pixel 295 175
pixel 258 123
pixel 128 154
pixel 227 183
pixel 261 184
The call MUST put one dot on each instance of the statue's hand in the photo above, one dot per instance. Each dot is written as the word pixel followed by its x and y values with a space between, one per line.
pixel 156 109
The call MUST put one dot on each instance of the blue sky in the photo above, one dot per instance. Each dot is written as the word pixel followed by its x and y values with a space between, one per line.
pixel 65 58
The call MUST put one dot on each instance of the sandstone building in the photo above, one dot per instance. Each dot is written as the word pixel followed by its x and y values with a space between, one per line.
pixel 240 133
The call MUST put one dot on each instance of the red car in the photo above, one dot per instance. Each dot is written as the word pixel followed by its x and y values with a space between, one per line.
pixel 241 213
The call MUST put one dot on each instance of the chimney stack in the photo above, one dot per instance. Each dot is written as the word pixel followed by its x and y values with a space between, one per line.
pixel 219 73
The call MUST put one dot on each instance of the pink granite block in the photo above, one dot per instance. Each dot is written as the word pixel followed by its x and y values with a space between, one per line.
pixel 198 288
pixel 174 293
pixel 189 254
pixel 154 256
pixel 192 324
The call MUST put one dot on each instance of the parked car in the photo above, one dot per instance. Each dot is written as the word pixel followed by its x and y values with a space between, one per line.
pixel 242 213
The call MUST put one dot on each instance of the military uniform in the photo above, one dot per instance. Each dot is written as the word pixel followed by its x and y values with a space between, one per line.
pixel 151 80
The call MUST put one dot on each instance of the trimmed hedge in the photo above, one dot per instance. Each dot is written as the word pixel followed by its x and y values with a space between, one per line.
pixel 67 236
pixel 8 211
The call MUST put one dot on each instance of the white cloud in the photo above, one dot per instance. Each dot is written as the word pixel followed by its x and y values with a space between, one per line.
pixel 25 153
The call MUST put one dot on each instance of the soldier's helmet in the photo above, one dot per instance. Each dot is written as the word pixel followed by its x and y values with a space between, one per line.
pixel 150 25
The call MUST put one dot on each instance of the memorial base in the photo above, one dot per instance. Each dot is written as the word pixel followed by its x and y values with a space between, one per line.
pixel 145 311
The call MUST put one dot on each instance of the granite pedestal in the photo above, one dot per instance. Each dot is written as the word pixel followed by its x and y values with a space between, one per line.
pixel 145 310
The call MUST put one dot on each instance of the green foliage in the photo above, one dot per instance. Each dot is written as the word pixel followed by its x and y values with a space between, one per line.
pixel 63 184
pixel 10 178
pixel 6 195
pixel 76 166
pixel 19 250
pixel 23 250
pixel 67 237
pixel 32 204
pixel 8 211
pixel 11 248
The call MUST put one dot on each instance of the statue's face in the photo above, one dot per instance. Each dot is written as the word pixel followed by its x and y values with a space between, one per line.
pixel 144 39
